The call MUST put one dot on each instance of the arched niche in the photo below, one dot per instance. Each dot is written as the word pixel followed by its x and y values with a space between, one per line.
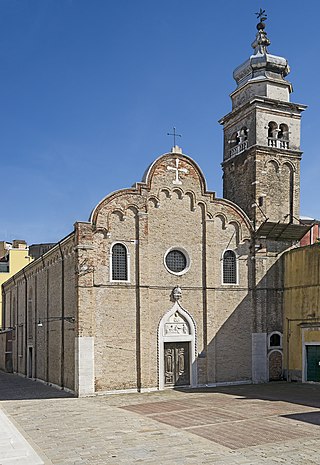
pixel 223 220
pixel 192 199
pixel 275 362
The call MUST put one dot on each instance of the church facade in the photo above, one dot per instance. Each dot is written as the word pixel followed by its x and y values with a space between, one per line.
pixel 167 285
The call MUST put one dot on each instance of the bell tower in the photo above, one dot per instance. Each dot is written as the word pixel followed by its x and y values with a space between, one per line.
pixel 261 161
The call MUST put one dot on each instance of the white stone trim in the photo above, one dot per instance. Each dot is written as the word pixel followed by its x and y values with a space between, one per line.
pixel 123 391
pixel 225 383
pixel 260 369
pixel 191 338
pixel 110 263
pixel 55 386
pixel 84 363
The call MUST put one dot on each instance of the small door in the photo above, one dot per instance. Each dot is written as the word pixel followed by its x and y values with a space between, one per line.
pixel 313 363
pixel 176 364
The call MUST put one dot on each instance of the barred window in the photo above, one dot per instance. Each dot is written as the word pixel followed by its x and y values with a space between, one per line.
pixel 176 261
pixel 229 267
pixel 119 263
pixel 275 340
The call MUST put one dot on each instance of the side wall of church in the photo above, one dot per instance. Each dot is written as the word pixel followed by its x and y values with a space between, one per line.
pixel 36 301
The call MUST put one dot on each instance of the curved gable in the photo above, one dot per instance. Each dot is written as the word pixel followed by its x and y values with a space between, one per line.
pixel 172 175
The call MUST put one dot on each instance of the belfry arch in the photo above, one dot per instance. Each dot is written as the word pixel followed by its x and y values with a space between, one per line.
pixel 177 349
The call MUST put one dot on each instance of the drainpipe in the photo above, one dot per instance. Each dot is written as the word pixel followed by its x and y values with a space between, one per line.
pixel 4 325
pixel 138 305
pixel 62 316
pixel 25 324
pixel 17 343
pixel 288 348
pixel 47 327
pixel 35 332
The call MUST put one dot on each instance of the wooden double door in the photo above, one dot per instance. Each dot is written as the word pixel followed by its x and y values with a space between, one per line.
pixel 176 364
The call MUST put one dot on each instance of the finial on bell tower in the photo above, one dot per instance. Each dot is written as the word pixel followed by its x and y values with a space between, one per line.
pixel 262 16
pixel 261 42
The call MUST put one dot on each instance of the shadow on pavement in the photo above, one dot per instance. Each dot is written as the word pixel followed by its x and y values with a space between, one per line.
pixel 295 393
pixel 312 418
pixel 15 387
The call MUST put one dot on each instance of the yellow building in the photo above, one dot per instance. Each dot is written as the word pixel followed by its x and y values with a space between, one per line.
pixel 13 257
pixel 302 314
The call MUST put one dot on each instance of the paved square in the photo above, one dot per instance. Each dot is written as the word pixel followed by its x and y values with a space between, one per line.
pixel 237 421
pixel 242 425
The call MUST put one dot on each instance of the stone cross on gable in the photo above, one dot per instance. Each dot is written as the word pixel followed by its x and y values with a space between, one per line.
pixel 177 171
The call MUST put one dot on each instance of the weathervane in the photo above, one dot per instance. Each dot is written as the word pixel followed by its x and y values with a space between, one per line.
pixel 262 16
pixel 174 134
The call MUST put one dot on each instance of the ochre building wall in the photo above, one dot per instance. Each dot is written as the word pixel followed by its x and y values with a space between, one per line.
pixel 301 308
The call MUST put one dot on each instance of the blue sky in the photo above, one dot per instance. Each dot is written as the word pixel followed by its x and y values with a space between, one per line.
pixel 90 88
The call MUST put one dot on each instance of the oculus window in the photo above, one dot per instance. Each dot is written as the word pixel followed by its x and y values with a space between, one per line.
pixel 177 261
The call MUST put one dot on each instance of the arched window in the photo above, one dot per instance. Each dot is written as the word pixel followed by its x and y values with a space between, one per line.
pixel 283 137
pixel 119 263
pixel 235 139
pixel 272 130
pixel 239 141
pixel 283 132
pixel 243 134
pixel 229 267
pixel 275 340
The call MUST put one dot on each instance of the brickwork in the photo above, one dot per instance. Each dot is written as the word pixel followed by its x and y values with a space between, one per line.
pixel 275 365
pixel 36 300
pixel 163 216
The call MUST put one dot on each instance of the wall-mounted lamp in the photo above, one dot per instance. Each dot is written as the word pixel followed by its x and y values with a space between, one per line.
pixel 69 319
pixel 9 328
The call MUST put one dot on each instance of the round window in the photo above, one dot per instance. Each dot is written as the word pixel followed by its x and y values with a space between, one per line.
pixel 176 261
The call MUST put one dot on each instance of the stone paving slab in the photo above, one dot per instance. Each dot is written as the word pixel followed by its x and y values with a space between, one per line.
pixel 252 425
pixel 14 448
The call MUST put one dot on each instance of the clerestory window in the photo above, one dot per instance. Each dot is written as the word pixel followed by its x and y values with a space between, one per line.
pixel 119 262
pixel 229 267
